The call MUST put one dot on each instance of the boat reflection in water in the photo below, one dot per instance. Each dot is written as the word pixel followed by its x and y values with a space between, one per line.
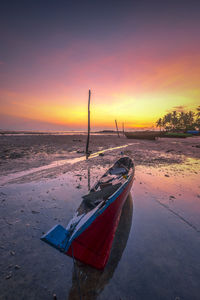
pixel 92 281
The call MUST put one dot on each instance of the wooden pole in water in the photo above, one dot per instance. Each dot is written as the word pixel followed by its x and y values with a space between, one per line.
pixel 88 137
pixel 117 128
pixel 88 178
pixel 123 127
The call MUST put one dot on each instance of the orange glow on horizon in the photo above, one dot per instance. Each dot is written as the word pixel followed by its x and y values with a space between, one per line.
pixel 134 92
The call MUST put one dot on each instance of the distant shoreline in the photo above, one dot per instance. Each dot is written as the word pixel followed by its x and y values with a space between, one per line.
pixel 61 132
pixel 70 132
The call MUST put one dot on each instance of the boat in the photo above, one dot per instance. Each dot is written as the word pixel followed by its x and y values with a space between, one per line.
pixel 193 132
pixel 89 235
pixel 93 281
pixel 144 135
pixel 180 135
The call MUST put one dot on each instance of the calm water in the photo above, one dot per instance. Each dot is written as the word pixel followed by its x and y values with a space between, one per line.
pixel 156 249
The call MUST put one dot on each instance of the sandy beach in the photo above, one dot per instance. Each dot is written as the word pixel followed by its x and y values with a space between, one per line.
pixel 155 254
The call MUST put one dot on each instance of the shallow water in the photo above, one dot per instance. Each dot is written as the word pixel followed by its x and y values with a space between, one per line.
pixel 155 254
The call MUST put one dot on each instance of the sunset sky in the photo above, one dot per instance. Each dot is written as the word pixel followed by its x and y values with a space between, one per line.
pixel 140 58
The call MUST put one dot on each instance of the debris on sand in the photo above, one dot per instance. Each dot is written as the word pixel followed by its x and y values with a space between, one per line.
pixel 15 155
pixel 196 146
pixel 17 267
pixel 9 275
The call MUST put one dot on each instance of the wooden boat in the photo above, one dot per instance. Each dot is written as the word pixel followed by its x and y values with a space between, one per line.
pixel 144 135
pixel 92 282
pixel 180 135
pixel 89 235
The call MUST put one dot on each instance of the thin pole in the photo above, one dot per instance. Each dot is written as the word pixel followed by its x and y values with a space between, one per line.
pixel 117 128
pixel 88 137
pixel 123 128
pixel 88 178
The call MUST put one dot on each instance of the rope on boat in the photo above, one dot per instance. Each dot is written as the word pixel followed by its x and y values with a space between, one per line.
pixel 76 274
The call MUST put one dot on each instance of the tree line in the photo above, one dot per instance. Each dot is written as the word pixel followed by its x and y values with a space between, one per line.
pixel 180 121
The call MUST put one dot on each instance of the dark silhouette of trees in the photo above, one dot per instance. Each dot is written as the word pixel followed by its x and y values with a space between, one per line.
pixel 159 123
pixel 198 118
pixel 180 121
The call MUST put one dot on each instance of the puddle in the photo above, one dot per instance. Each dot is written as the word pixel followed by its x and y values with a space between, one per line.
pixel 176 188
pixel 155 254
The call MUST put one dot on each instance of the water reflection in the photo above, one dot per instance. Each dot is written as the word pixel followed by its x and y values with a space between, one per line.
pixel 88 178
pixel 91 281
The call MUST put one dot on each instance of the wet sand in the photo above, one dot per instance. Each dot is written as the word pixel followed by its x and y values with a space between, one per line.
pixel 156 249
pixel 19 153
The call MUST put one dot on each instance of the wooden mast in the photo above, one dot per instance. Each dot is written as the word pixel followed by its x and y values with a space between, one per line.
pixel 117 128
pixel 123 128
pixel 88 137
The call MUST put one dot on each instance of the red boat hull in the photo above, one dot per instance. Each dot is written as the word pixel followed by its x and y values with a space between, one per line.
pixel 93 246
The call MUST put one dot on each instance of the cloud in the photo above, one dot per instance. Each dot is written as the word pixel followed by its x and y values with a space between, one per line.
pixel 9 122
pixel 180 108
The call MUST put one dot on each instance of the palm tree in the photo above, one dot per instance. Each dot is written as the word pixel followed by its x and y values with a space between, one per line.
pixel 197 122
pixel 167 121
pixel 159 123
pixel 174 119
pixel 182 120
pixel 198 111
pixel 191 115
pixel 188 120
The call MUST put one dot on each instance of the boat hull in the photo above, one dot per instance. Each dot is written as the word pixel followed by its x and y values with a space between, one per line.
pixel 89 235
pixel 143 135
pixel 94 244
pixel 176 135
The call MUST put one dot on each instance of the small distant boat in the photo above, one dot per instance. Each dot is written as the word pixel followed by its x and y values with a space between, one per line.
pixel 89 235
pixel 193 132
pixel 144 135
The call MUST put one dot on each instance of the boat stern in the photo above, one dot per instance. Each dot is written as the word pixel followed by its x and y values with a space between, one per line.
pixel 57 237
